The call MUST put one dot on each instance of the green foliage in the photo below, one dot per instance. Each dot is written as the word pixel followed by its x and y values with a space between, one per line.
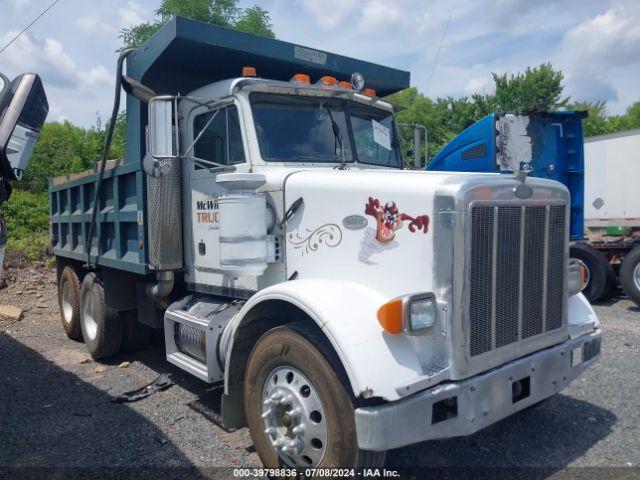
pixel 538 89
pixel 255 20
pixel 599 122
pixel 633 115
pixel 224 13
pixel 64 148
pixel 27 217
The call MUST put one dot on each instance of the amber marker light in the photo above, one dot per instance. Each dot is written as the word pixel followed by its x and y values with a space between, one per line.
pixel 328 81
pixel 346 85
pixel 369 91
pixel 390 316
pixel 301 78
pixel 249 71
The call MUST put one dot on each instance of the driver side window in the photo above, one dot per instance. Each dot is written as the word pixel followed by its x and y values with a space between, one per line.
pixel 221 141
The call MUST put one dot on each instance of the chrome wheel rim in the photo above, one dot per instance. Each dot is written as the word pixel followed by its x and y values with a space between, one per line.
pixel 88 316
pixel 294 417
pixel 584 271
pixel 636 276
pixel 67 303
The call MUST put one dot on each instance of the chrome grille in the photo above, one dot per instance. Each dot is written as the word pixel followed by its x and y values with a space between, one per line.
pixel 517 270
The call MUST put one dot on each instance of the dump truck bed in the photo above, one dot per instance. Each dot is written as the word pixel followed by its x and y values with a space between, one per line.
pixel 119 222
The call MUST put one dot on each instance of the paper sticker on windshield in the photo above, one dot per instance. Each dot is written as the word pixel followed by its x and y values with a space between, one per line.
pixel 381 135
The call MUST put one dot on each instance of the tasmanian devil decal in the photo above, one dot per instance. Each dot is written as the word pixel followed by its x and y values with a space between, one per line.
pixel 388 221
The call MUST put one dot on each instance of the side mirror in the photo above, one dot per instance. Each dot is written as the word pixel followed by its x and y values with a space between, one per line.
pixel 23 111
pixel 163 136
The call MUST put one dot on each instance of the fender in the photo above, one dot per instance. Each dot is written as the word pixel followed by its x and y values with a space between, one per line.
pixel 582 317
pixel 375 361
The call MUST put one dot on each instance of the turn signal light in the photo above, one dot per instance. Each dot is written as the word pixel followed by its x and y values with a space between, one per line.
pixel 301 78
pixel 369 91
pixel 390 316
pixel 249 71
pixel 346 85
pixel 328 81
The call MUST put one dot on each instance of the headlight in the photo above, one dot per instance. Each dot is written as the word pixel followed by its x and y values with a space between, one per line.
pixel 422 313
pixel 574 278
pixel 410 314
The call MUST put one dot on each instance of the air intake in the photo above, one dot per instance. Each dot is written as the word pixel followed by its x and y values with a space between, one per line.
pixel 517 274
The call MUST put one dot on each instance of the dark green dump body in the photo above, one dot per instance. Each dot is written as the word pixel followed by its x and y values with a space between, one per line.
pixel 119 223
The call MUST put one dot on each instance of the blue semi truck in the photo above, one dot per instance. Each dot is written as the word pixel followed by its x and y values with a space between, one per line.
pixel 551 145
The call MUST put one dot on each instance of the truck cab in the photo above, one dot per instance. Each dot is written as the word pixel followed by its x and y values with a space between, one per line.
pixel 347 305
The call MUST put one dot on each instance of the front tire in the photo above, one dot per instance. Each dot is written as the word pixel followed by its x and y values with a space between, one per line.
pixel 630 275
pixel 297 408
pixel 102 327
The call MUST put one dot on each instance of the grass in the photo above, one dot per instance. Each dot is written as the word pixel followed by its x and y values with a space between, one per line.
pixel 27 218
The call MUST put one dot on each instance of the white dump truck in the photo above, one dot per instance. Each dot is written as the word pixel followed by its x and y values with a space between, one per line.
pixel 263 218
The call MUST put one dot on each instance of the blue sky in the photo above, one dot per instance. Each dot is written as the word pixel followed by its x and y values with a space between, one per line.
pixel 596 43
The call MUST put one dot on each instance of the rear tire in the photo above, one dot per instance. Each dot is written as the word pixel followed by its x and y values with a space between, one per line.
pixel 285 364
pixel 630 275
pixel 102 327
pixel 69 303
pixel 596 270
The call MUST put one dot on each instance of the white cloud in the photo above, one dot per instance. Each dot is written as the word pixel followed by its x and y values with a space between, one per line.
pixel 20 4
pixel 330 13
pixel 47 57
pixel 590 50
pixel 92 23
pixel 377 14
pixel 98 76
pixel 482 84
pixel 131 15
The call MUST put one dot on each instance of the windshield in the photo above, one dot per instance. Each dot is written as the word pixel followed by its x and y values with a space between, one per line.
pixel 329 130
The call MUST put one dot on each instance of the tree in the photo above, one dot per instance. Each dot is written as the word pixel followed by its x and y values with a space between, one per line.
pixel 633 115
pixel 224 13
pixel 64 148
pixel 538 89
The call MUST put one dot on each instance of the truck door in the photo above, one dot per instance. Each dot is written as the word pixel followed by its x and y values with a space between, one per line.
pixel 220 142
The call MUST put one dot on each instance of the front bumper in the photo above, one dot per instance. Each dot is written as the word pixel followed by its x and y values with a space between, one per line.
pixel 465 407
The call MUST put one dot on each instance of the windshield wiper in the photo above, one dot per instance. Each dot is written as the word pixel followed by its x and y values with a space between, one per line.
pixel 337 133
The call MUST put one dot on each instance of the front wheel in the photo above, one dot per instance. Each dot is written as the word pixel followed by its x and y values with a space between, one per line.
pixel 297 408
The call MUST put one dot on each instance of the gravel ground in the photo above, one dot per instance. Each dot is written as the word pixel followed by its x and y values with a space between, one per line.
pixel 55 408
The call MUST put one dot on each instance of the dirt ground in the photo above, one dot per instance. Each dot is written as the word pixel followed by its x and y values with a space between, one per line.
pixel 55 408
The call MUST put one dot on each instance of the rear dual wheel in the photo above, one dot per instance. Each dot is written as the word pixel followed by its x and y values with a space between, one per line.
pixel 630 275
pixel 598 275
pixel 84 314
pixel 69 303
pixel 102 327
pixel 298 410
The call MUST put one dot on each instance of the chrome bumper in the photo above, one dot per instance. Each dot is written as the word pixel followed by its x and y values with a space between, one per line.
pixel 465 407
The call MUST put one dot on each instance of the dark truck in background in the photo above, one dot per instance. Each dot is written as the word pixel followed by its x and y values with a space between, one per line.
pixel 23 111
